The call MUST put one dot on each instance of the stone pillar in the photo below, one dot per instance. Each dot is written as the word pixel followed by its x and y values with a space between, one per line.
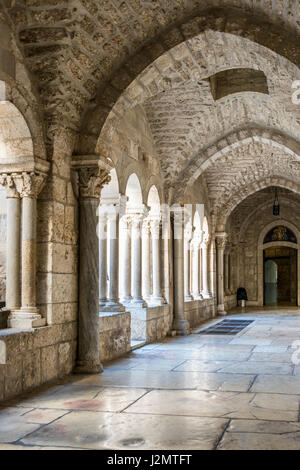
pixel 195 276
pixel 113 304
pixel 136 278
pixel 226 271
pixel 205 285
pixel 146 280
pixel 180 324
pixel 125 260
pixel 221 239
pixel 187 263
pixel 91 181
pixel 12 243
pixel 29 186
pixel 102 230
pixel 156 298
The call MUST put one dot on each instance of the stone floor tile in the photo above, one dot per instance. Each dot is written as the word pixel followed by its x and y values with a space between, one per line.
pixel 129 432
pixel 276 384
pixel 255 368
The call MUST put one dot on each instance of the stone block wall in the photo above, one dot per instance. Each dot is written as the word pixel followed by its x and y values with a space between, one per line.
pixel 197 311
pixel 35 357
pixel 230 302
pixel 151 324
pixel 115 335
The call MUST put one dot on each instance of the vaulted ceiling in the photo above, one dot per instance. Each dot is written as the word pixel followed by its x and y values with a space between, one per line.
pixel 81 64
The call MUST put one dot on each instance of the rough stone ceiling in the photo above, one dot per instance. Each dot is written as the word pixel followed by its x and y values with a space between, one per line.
pixel 245 165
pixel 252 207
pixel 183 115
pixel 73 48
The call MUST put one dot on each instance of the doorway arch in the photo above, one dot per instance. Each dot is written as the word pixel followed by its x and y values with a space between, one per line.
pixel 270 244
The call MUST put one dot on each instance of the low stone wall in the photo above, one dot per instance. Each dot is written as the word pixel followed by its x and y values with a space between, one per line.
pixel 115 334
pixel 31 358
pixel 197 311
pixel 151 324
pixel 229 302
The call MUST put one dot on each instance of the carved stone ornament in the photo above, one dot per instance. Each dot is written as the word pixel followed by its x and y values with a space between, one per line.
pixel 91 180
pixel 8 182
pixel 221 241
pixel 25 184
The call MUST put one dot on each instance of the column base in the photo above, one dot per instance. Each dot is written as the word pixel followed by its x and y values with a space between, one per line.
pixel 197 297
pixel 206 295
pixel 221 311
pixel 88 367
pixel 182 327
pixel 155 302
pixel 26 319
pixel 112 307
pixel 188 298
pixel 137 303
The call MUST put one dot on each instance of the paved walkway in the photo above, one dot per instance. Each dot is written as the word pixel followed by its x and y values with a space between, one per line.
pixel 198 392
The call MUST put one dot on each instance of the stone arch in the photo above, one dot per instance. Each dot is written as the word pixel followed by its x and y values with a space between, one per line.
pixel 261 246
pixel 153 201
pixel 134 192
pixel 235 21
pixel 237 139
pixel 241 194
pixel 16 144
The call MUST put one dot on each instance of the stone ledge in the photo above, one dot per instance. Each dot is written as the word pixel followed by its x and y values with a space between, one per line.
pixel 34 357
pixel 115 334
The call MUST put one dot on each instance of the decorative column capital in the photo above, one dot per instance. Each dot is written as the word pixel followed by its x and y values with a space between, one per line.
pixel 205 242
pixel 155 224
pixel 25 184
pixel 8 182
pixel 29 184
pixel 91 181
pixel 221 240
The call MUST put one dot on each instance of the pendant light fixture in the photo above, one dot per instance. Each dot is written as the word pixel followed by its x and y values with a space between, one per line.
pixel 276 206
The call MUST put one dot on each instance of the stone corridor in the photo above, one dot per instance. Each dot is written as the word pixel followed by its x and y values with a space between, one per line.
pixel 195 392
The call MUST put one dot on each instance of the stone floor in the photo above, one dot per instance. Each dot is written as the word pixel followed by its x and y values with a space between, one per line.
pixel 195 392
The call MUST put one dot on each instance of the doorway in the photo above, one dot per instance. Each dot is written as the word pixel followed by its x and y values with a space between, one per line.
pixel 280 276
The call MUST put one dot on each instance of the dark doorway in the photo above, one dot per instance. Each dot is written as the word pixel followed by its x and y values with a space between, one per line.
pixel 280 276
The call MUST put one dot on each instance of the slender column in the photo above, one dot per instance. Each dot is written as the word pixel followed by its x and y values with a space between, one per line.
pixel 180 324
pixel 125 259
pixel 195 292
pixel 205 289
pixel 220 244
pixel 91 181
pixel 146 288
pixel 156 297
pixel 12 243
pixel 102 257
pixel 187 259
pixel 113 304
pixel 226 268
pixel 136 278
pixel 28 185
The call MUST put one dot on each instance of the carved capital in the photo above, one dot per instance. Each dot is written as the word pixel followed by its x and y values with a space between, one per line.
pixel 25 184
pixel 221 241
pixel 8 182
pixel 91 180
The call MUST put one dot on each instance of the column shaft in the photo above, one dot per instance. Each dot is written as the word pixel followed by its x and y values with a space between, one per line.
pixel 13 253
pixel 136 278
pixel 146 288
pixel 125 261
pixel 88 328
pixel 220 242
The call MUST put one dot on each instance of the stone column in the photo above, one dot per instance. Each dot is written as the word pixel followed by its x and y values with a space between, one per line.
pixel 226 268
pixel 102 231
pixel 91 181
pixel 125 260
pixel 113 304
pixel 195 263
pixel 187 267
pixel 12 243
pixel 205 286
pixel 180 324
pixel 136 278
pixel 221 239
pixel 156 298
pixel 28 185
pixel 146 280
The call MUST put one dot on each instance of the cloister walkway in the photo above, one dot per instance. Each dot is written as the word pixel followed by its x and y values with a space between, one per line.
pixel 202 391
